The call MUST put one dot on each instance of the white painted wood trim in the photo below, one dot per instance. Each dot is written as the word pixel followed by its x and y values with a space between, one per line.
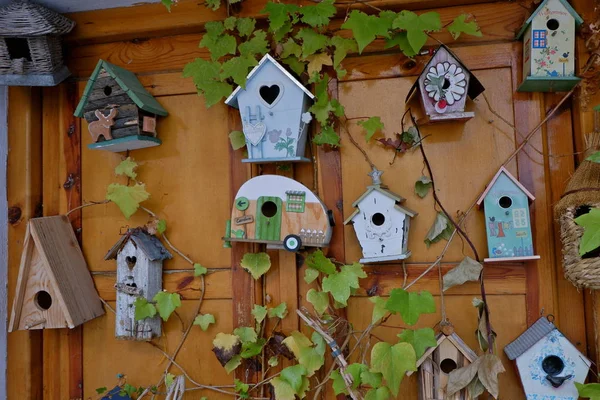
pixel 3 237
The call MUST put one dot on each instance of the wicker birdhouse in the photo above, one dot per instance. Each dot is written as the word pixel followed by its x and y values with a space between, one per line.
pixel 139 258
pixel 549 48
pixel 121 114
pixel 274 111
pixel 548 363
pixel 381 223
pixel 30 46
pixel 443 88
pixel 54 287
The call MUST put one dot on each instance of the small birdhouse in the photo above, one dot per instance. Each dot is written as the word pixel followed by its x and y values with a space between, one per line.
pixel 444 86
pixel 54 287
pixel 30 46
pixel 547 362
pixel 274 111
pixel 435 365
pixel 115 394
pixel 279 212
pixel 549 48
pixel 121 114
pixel 507 219
pixel 139 258
pixel 381 223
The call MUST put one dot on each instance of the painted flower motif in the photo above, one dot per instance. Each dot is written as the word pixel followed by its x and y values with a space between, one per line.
pixel 288 133
pixel 274 135
pixel 543 64
pixel 306 117
pixel 552 51
pixel 445 81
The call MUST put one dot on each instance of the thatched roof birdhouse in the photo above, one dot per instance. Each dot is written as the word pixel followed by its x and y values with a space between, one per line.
pixel 30 46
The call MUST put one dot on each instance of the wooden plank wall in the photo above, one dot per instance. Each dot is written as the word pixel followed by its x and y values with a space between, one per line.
pixel 194 176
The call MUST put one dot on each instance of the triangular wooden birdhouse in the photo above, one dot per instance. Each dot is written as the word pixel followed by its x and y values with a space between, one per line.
pixel 54 288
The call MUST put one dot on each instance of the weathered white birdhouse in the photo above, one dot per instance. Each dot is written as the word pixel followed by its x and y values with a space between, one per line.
pixel 139 258
pixel 547 362
pixel 443 88
pixel 381 223
pixel 549 48
pixel 274 111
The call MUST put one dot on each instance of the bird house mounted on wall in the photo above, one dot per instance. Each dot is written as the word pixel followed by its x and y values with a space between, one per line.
pixel 547 362
pixel 274 111
pixel 507 219
pixel 381 223
pixel 139 258
pixel 549 48
pixel 443 88
pixel 121 114
pixel 280 212
pixel 30 46
pixel 54 287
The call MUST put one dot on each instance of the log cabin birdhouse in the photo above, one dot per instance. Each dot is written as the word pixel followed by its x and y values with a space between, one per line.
pixel 507 219
pixel 30 45
pixel 274 111
pixel 381 223
pixel 54 287
pixel 121 114
pixel 549 48
pixel 547 362
pixel 443 88
pixel 139 258
pixel 279 212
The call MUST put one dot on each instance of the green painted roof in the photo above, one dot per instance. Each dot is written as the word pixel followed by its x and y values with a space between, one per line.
pixel 568 7
pixel 128 82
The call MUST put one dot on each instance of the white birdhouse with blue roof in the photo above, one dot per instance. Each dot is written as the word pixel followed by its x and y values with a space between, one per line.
pixel 274 111
pixel 548 363
pixel 549 48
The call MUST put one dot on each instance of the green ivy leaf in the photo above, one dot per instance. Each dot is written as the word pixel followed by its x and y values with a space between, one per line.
pixel 206 77
pixel 218 44
pixel 161 226
pixel 295 64
pixel 241 389
pixel 257 45
pixel 590 390
pixel 338 383
pixel 379 310
pixel 169 379
pixel 273 361
pixel 278 14
pixel 245 26
pixel 421 339
pixel 246 334
pixel 294 376
pixel 250 349
pixel 400 39
pixel 371 378
pixel 204 321
pixel 441 229
pixel 128 390
pixel 319 300
pixel 127 198
pixel 319 14
pixel 310 275
pixel 257 264
pixel 417 26
pixel 229 23
pixel 283 31
pixel 422 186
pixel 393 362
pixel 127 167
pixel 280 311
pixel 167 4
pixel 319 262
pixel 291 48
pixel 283 390
pixel 372 126
pixel 356 371
pixel 143 309
pixel 382 393
pixel 366 28
pixel 591 234
pixel 460 25
pixel 199 270
pixel 340 284
pixel 410 305
pixel 342 48
pixel 312 359
pixel 237 68
pixel 166 303
pixel 259 312
pixel 327 136
pixel 232 364
pixel 316 63
pixel 101 390
pixel 311 41
pixel 237 139
pixel 213 4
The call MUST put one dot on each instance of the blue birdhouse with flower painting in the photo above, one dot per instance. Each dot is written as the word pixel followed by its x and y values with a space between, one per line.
pixel 274 111
pixel 549 48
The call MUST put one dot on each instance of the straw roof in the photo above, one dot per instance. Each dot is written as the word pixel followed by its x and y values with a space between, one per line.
pixel 582 189
pixel 23 19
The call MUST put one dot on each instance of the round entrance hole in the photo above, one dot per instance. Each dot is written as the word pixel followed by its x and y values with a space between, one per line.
pixel 269 209
pixel 43 300
pixel 446 84
pixel 107 90
pixel 378 219
pixel 505 202
pixel 553 365
pixel 552 24
pixel 581 210
pixel 448 365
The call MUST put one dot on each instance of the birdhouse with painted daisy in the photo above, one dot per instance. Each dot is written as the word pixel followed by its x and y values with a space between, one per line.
pixel 443 88
pixel 274 111
pixel 549 48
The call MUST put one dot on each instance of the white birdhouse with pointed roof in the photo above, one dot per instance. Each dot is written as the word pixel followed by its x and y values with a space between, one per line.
pixel 274 111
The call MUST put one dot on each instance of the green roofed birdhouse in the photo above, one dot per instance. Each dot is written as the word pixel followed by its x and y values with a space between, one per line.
pixel 444 86
pixel 30 45
pixel 549 48
pixel 274 111
pixel 121 114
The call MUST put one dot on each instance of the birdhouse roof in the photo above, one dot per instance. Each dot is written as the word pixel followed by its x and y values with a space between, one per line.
pixel 115 394
pixel 25 19
pixel 128 82
pixel 148 244
pixel 475 87
pixel 383 190
pixel 566 5
pixel 456 342
pixel 527 339
pixel 512 178
pixel 232 99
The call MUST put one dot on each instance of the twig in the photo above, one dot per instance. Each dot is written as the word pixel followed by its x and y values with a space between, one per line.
pixel 364 153
pixel 107 305
pixel 91 203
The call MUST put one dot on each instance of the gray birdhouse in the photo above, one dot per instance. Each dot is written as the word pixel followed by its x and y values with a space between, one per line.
pixel 139 258
pixel 30 46
pixel 274 110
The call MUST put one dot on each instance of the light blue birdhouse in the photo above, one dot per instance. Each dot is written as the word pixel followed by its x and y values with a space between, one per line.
pixel 508 224
pixel 274 112
pixel 549 48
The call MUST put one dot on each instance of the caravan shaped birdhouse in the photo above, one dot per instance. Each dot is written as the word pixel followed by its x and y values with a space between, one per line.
pixel 508 223
pixel 274 111
pixel 54 287
pixel 279 212
pixel 121 114
pixel 443 88
pixel 381 223
pixel 549 48
pixel 139 258
pixel 547 362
